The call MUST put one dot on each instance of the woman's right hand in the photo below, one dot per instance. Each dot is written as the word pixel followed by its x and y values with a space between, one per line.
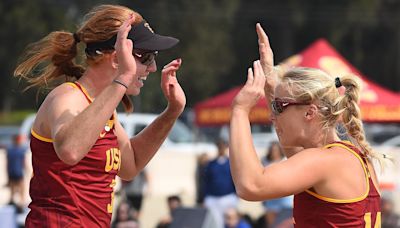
pixel 252 91
pixel 124 48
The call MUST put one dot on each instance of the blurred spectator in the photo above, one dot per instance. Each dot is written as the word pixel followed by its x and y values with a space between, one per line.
pixel 389 217
pixel 173 202
pixel 202 162
pixel 232 219
pixel 135 190
pixel 220 193
pixel 126 216
pixel 15 169
pixel 274 207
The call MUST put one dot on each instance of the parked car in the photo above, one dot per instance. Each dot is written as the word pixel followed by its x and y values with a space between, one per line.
pixel 392 142
pixel 25 128
pixel 262 135
pixel 180 139
pixel 378 133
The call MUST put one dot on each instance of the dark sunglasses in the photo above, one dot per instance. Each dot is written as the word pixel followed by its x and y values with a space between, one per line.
pixel 146 58
pixel 279 105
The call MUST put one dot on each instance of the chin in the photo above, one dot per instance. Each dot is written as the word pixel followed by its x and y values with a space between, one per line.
pixel 133 91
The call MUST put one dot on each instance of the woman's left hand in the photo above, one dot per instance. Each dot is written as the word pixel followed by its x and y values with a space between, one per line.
pixel 252 91
pixel 172 89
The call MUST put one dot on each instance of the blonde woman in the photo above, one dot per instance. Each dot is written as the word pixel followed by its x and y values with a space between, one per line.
pixel 78 146
pixel 333 181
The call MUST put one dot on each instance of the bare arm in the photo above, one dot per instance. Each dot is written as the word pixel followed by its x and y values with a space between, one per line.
pixel 252 181
pixel 139 150
pixel 71 125
pixel 70 122
pixel 243 158
pixel 296 174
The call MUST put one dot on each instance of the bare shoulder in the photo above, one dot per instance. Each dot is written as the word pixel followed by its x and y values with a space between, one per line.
pixel 65 92
pixel 318 159
pixel 312 154
pixel 339 158
pixel 63 98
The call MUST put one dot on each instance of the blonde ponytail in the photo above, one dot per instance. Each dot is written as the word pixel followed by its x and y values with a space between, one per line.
pixel 348 106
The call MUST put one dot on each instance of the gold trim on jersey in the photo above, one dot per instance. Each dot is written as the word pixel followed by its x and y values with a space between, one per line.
pixel 83 89
pixel 353 200
pixel 110 123
pixel 41 138
pixel 72 84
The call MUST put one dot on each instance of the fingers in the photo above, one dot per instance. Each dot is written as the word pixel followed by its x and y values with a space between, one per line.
pixel 174 64
pixel 259 78
pixel 250 77
pixel 170 69
pixel 262 49
pixel 168 76
pixel 123 48
pixel 125 28
pixel 262 36
pixel 255 76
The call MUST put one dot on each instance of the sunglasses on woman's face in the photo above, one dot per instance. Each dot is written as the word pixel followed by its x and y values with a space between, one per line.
pixel 279 105
pixel 146 58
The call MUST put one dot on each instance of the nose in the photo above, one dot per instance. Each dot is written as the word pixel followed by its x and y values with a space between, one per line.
pixel 152 67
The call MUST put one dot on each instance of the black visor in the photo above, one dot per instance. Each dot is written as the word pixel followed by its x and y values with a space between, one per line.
pixel 143 38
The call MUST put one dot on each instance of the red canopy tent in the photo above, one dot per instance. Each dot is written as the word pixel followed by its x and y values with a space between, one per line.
pixel 377 104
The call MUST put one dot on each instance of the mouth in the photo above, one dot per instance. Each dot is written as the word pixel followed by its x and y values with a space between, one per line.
pixel 142 79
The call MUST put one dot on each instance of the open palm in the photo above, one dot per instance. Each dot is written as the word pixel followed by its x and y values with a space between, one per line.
pixel 171 88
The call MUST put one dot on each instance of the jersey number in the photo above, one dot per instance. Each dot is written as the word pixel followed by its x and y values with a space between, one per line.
pixel 367 219
pixel 110 205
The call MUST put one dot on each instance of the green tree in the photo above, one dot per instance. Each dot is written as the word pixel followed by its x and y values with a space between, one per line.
pixel 24 22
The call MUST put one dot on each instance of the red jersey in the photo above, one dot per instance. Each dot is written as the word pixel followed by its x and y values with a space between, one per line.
pixel 73 196
pixel 313 210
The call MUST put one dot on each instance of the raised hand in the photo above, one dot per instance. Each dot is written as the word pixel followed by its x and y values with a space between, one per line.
pixel 267 59
pixel 124 48
pixel 252 91
pixel 171 88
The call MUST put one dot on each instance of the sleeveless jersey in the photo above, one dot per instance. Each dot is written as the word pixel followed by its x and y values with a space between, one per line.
pixel 73 196
pixel 313 210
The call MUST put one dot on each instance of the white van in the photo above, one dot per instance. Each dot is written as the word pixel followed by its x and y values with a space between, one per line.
pixel 180 139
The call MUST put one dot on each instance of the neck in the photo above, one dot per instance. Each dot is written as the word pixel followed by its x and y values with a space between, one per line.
pixel 321 138
pixel 95 79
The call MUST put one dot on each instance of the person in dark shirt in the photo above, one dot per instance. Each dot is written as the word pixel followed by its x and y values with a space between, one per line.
pixel 390 219
pixel 15 170
pixel 174 202
pixel 232 219
pixel 219 190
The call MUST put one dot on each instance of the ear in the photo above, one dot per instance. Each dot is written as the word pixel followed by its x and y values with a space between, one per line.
pixel 114 60
pixel 311 112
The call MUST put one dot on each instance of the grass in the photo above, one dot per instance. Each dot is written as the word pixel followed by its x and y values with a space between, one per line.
pixel 14 118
